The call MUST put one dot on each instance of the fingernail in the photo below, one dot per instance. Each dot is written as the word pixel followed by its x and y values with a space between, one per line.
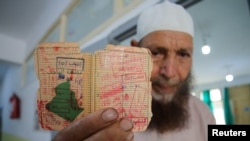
pixel 109 115
pixel 126 124
pixel 130 136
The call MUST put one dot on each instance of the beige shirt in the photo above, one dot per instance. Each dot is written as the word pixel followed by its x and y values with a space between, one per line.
pixel 200 117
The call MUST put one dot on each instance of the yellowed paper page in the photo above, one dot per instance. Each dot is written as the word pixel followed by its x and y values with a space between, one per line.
pixel 122 81
pixel 64 75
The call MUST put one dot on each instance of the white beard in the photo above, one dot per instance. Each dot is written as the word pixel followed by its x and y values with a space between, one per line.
pixel 164 98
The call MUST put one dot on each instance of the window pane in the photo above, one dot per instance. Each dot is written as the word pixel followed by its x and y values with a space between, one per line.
pixel 219 112
pixel 54 35
pixel 215 95
pixel 201 96
pixel 87 16
pixel 127 2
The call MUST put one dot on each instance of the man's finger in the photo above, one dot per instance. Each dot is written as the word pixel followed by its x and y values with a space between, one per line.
pixel 87 125
pixel 118 131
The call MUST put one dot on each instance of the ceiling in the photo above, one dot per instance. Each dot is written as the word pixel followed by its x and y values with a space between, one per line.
pixel 223 24
pixel 18 17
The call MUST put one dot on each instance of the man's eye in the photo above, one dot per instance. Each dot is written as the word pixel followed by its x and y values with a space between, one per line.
pixel 183 54
pixel 154 53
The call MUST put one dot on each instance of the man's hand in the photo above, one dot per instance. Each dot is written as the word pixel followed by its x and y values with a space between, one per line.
pixel 102 125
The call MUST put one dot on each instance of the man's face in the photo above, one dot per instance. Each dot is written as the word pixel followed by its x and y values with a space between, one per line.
pixel 172 61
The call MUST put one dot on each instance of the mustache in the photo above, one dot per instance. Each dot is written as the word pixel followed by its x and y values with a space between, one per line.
pixel 162 80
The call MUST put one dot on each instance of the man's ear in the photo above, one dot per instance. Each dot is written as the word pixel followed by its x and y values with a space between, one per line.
pixel 134 43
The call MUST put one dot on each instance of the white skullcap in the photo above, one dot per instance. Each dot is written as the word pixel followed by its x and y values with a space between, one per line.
pixel 164 16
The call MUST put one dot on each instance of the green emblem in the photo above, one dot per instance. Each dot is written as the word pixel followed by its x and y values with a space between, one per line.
pixel 64 104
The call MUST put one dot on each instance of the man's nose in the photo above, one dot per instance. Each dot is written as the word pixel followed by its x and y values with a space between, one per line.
pixel 168 67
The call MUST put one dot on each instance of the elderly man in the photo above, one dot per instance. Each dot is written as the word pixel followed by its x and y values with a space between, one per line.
pixel 166 29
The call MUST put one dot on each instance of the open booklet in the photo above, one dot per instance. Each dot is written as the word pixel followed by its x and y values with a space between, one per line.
pixel 74 84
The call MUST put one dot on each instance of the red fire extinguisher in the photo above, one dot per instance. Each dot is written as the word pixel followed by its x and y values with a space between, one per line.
pixel 15 106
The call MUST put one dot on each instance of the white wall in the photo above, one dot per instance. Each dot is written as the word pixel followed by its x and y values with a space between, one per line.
pixel 12 49
pixel 1 85
pixel 24 127
pixel 238 80
pixel 53 11
pixel 13 80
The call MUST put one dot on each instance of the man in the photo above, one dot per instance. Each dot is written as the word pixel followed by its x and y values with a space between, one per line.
pixel 166 30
